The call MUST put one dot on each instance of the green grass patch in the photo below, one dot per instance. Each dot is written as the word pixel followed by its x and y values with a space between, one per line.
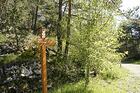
pixel 136 62
pixel 96 85
pixel 133 62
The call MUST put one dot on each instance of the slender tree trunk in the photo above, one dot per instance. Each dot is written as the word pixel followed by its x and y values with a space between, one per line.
pixel 35 20
pixel 68 31
pixel 59 33
pixel 32 21
pixel 2 13
pixel 17 39
pixel 14 25
pixel 87 70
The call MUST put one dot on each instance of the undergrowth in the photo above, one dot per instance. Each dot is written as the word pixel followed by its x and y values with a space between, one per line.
pixel 96 85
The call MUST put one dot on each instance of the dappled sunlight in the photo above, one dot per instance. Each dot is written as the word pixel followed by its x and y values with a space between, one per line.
pixel 69 46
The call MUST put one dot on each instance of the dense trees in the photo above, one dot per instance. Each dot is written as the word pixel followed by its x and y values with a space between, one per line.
pixel 95 37
pixel 84 31
pixel 131 35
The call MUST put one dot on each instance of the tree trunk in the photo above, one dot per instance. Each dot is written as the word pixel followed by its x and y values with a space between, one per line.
pixel 59 33
pixel 68 32
pixel 15 27
pixel 17 39
pixel 87 72
pixel 32 21
pixel 35 21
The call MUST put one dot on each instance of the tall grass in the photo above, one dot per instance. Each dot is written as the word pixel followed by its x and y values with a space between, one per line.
pixel 96 85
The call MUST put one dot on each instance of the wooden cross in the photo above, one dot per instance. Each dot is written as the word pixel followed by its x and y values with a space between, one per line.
pixel 43 45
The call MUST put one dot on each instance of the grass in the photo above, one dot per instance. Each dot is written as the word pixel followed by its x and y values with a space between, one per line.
pixel 136 62
pixel 133 62
pixel 96 85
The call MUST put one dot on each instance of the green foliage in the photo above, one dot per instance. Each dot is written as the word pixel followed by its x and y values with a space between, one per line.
pixel 130 39
pixel 30 50
pixel 27 55
pixel 2 38
pixel 95 46
pixel 30 45
pixel 112 72
pixel 93 41
pixel 8 58
pixel 30 41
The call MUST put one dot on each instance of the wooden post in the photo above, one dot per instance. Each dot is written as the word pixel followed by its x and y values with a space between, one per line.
pixel 44 68
pixel 44 61
pixel 43 45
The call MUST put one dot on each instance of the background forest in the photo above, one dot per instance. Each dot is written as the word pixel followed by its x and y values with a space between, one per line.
pixel 89 43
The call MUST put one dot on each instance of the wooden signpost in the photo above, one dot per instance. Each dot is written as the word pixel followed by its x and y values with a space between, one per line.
pixel 43 44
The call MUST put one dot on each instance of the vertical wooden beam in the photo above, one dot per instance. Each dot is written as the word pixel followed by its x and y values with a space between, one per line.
pixel 43 45
pixel 44 68
pixel 44 61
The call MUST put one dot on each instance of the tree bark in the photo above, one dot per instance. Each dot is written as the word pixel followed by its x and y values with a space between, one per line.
pixel 35 21
pixel 59 33
pixel 15 27
pixel 68 31
pixel 87 71
pixel 32 19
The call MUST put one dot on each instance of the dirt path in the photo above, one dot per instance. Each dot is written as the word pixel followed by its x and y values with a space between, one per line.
pixel 134 69
pixel 133 80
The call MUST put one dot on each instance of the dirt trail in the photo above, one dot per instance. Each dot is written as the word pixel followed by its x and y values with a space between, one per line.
pixel 133 80
pixel 133 68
